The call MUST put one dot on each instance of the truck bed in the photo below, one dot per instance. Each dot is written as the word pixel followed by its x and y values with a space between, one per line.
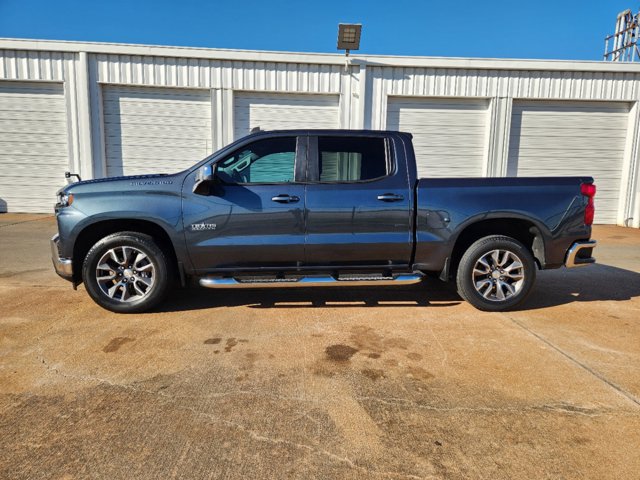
pixel 445 206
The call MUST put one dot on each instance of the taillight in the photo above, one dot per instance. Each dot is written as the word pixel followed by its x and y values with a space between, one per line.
pixel 589 191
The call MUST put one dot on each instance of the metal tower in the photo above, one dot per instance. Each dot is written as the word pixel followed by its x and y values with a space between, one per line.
pixel 624 42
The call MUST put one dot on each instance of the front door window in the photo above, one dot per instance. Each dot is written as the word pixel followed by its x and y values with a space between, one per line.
pixel 267 161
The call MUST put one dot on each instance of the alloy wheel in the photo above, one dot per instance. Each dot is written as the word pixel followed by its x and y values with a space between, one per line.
pixel 125 274
pixel 498 275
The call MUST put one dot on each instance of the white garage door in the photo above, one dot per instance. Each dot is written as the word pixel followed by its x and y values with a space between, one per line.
pixel 155 130
pixel 572 138
pixel 283 111
pixel 33 146
pixel 449 135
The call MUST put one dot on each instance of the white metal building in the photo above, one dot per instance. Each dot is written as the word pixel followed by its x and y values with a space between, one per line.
pixel 106 110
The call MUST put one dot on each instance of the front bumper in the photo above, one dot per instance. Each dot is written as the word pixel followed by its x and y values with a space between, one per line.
pixel 63 266
pixel 580 254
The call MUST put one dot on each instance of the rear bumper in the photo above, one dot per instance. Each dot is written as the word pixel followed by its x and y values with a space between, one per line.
pixel 580 254
pixel 63 266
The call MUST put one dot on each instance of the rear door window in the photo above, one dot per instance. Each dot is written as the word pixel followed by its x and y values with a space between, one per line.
pixel 355 159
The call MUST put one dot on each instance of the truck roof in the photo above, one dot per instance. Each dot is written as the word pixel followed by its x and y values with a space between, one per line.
pixel 328 131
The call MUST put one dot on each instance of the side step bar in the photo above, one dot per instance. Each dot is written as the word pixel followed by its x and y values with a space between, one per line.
pixel 311 281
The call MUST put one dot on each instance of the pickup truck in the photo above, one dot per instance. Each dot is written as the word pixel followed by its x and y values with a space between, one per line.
pixel 318 207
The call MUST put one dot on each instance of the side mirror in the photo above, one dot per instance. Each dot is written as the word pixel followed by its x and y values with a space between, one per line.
pixel 204 178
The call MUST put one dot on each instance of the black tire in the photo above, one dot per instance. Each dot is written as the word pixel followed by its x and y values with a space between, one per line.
pixel 160 271
pixel 491 299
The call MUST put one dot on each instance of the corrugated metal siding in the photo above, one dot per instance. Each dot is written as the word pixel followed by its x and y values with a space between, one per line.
pixel 283 111
pixel 155 130
pixel 449 135
pixel 317 78
pixel 570 138
pixel 196 73
pixel 32 65
pixel 512 83
pixel 33 146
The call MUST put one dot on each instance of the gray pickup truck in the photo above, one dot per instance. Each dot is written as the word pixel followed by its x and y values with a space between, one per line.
pixel 318 207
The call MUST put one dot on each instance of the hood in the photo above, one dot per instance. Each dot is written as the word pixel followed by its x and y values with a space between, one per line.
pixel 125 183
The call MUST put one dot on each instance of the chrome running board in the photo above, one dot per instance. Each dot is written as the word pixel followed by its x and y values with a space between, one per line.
pixel 309 281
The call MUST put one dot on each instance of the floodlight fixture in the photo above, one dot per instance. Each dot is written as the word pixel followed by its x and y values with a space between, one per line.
pixel 349 36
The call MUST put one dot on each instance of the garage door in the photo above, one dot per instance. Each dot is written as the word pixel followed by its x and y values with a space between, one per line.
pixel 449 135
pixel 572 138
pixel 33 146
pixel 283 111
pixel 155 130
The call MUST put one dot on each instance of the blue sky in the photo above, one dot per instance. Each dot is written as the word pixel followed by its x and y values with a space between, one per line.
pixel 563 29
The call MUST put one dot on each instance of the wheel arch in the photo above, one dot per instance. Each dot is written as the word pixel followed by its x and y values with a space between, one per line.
pixel 524 230
pixel 93 232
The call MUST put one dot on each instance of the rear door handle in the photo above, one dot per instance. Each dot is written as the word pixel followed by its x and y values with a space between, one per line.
pixel 285 199
pixel 390 197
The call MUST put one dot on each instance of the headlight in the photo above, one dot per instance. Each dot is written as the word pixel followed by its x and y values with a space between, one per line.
pixel 64 200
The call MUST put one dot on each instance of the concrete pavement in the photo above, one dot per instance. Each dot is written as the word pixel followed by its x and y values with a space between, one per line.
pixel 330 383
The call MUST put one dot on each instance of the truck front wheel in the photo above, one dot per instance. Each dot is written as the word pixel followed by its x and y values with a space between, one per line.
pixel 496 273
pixel 126 272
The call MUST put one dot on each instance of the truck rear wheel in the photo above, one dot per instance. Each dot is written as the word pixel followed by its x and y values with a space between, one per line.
pixel 126 272
pixel 496 273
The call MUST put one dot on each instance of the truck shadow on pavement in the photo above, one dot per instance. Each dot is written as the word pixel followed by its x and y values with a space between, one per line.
pixel 553 287
pixel 594 283
pixel 435 294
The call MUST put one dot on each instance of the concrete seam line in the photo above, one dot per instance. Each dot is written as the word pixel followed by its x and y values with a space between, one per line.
pixel 27 221
pixel 593 372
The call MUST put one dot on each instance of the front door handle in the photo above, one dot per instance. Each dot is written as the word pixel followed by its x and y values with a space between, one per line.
pixel 285 199
pixel 390 197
